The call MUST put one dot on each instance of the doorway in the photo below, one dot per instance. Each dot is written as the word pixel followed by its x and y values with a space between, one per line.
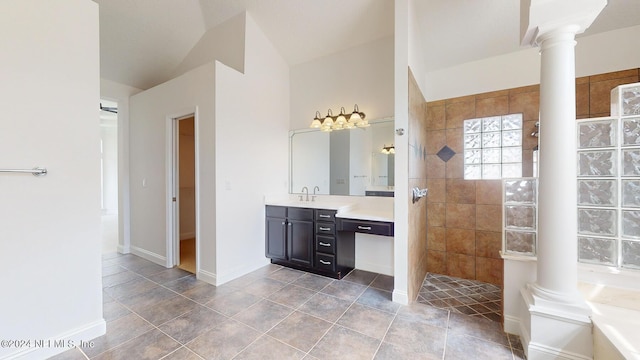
pixel 109 175
pixel 185 193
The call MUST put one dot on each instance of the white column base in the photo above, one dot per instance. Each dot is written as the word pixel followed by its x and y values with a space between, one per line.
pixel 554 329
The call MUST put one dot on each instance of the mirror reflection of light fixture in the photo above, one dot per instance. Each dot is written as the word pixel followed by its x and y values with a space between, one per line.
pixel 388 149
pixel 356 119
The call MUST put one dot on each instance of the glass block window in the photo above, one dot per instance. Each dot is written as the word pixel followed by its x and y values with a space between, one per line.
pixel 493 147
pixel 520 216
pixel 609 191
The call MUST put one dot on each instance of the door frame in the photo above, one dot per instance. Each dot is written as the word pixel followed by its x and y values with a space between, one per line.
pixel 172 186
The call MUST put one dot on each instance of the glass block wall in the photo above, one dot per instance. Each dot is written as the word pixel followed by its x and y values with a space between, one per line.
pixel 493 147
pixel 520 216
pixel 609 184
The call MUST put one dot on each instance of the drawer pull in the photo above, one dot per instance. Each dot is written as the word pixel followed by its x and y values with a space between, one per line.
pixel 325 216
pixel 325 262
pixel 325 228
pixel 324 244
pixel 364 227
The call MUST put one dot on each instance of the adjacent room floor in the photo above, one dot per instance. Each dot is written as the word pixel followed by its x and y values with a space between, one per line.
pixel 278 313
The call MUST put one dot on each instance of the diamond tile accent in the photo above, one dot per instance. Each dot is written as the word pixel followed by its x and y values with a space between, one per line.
pixel 446 153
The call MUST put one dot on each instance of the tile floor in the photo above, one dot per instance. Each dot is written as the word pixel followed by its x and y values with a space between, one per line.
pixel 278 313
pixel 474 298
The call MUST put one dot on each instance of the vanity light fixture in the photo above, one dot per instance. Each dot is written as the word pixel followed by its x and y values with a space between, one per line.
pixel 388 149
pixel 356 119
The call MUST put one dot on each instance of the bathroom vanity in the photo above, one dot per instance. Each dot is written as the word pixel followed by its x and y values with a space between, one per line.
pixel 319 237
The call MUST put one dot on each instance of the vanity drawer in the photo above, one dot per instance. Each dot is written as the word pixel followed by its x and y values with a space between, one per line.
pixel 325 228
pixel 367 227
pixel 276 211
pixel 296 213
pixel 326 244
pixel 325 215
pixel 325 262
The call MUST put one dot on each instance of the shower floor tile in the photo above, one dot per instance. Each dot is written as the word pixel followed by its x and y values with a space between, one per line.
pixel 469 297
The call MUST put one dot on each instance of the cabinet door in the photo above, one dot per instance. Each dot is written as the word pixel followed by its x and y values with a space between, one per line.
pixel 275 244
pixel 301 242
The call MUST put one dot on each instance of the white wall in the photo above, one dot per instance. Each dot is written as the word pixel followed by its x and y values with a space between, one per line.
pixel 150 113
pixel 596 54
pixel 225 43
pixel 50 237
pixel 120 93
pixel 252 126
pixel 361 75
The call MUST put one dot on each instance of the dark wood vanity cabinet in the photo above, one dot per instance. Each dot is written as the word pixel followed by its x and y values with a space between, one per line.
pixel 289 235
pixel 307 239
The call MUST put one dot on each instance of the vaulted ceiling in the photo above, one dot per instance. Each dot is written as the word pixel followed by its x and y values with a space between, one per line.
pixel 143 41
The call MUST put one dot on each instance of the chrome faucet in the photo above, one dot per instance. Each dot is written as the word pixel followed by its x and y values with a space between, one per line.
pixel 313 198
pixel 305 190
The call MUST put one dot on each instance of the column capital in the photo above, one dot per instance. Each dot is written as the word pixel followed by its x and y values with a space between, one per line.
pixel 540 17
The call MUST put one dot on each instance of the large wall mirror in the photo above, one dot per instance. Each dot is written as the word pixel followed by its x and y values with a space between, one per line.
pixel 344 162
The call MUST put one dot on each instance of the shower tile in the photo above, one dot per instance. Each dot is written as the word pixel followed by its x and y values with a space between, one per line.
pixel 455 140
pixel 597 222
pixel 489 270
pixel 436 167
pixel 596 163
pixel 435 115
pixel 463 266
pixel 525 100
pixel 459 109
pixel 488 244
pixel 446 153
pixel 597 192
pixel 596 134
pixel 461 191
pixel 437 190
pixel 436 214
pixel 597 251
pixel 461 241
pixel 437 261
pixel 436 139
pixel 492 105
pixel 489 217
pixel 436 238
pixel 461 216
pixel 455 168
pixel 489 192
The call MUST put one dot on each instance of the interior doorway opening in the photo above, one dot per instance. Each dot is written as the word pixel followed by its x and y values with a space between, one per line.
pixel 185 193
pixel 109 175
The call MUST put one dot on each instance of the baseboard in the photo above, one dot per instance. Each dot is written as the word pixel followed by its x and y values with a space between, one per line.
pixel 239 271
pixel 512 325
pixel 123 249
pixel 206 276
pixel 541 352
pixel 61 343
pixel 188 235
pixel 400 297
pixel 148 255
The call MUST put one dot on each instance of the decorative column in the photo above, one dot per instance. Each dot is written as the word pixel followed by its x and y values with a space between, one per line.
pixel 556 319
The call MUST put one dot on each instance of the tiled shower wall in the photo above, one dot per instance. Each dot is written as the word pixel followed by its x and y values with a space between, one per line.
pixel 417 240
pixel 464 217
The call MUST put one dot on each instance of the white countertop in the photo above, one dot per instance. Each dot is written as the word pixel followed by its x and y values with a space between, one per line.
pixel 352 207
